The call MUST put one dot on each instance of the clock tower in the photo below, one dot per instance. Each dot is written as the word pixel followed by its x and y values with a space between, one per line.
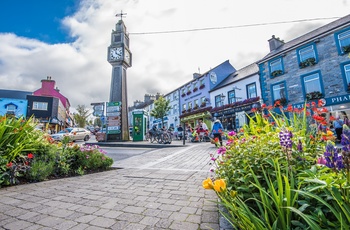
pixel 119 56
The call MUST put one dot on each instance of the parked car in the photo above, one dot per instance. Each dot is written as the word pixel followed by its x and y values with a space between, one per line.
pixel 73 133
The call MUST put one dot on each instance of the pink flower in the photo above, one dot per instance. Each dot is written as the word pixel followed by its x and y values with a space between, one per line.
pixel 213 158
pixel 222 150
pixel 232 133
pixel 321 161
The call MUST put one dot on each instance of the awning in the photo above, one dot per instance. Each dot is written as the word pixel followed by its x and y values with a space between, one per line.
pixel 196 116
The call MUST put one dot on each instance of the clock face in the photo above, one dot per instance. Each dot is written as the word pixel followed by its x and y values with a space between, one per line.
pixel 116 53
pixel 213 77
pixel 127 56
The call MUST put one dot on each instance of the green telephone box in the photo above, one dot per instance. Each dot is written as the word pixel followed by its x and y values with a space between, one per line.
pixel 139 125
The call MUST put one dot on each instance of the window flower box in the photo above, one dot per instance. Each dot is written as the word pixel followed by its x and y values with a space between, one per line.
pixel 202 86
pixel 345 49
pixel 188 92
pixel 195 89
pixel 195 107
pixel 307 62
pixel 182 95
pixel 203 104
pixel 184 111
pixel 276 73
pixel 282 101
pixel 314 95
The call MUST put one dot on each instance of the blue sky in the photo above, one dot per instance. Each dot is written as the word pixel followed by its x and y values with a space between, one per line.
pixel 40 19
pixel 68 40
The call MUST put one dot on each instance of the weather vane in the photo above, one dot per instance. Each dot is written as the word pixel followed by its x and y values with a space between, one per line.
pixel 121 15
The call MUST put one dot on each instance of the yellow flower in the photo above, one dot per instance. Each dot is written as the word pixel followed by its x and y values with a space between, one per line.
pixel 233 193
pixel 220 185
pixel 207 184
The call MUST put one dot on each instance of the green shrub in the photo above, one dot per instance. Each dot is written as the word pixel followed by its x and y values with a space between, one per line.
pixel 40 170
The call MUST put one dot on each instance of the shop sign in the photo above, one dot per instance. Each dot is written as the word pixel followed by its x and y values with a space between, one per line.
pixel 327 101
pixel 234 110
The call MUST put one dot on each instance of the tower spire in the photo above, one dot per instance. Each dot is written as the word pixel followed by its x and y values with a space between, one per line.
pixel 121 15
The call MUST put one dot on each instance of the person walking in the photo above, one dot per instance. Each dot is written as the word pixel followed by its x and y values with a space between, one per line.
pixel 338 126
pixel 217 130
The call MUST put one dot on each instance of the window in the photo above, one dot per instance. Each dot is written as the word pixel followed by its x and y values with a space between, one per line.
pixel 231 96
pixel 203 102
pixel 189 88
pixel 196 103
pixel 346 74
pixel 183 92
pixel 201 83
pixel 312 83
pixel 279 91
pixel 174 96
pixel 174 109
pixel 11 108
pixel 195 86
pixel 276 67
pixel 218 102
pixel 343 39
pixel 117 38
pixel 251 90
pixel 307 56
pixel 184 107
pixel 39 105
pixel 189 105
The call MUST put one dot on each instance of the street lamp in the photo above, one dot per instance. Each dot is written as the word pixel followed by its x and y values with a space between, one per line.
pixel 222 98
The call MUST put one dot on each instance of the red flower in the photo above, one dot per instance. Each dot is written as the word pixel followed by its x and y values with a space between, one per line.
pixel 30 155
pixel 290 108
pixel 9 165
pixel 313 104
pixel 324 109
pixel 263 106
pixel 331 118
pixel 216 139
pixel 269 107
pixel 26 163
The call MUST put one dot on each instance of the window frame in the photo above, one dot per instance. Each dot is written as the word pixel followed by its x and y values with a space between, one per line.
pixel 302 77
pixel 315 55
pixel 272 91
pixel 282 67
pixel 41 103
pixel 230 101
pixel 338 41
pixel 247 89
pixel 343 72
pixel 218 103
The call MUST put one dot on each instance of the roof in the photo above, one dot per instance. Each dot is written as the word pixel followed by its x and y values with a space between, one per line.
pixel 240 74
pixel 15 94
pixel 313 35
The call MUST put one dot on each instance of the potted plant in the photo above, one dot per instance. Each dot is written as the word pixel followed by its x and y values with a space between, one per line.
pixel 314 95
pixel 307 62
pixel 276 73
pixel 346 49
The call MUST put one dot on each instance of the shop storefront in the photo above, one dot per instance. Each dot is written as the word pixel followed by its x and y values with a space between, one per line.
pixel 192 118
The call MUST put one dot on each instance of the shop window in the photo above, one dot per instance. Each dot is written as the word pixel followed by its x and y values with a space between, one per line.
pixel 279 93
pixel 345 68
pixel 218 101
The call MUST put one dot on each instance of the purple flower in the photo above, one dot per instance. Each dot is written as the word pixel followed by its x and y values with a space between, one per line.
pixel 333 159
pixel 300 146
pixel 286 138
pixel 321 161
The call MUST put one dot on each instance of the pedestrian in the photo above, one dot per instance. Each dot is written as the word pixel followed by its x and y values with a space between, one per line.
pixel 180 132
pixel 338 126
pixel 217 130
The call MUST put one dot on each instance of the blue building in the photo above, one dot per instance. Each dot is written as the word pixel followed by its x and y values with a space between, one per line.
pixel 312 67
pixel 13 102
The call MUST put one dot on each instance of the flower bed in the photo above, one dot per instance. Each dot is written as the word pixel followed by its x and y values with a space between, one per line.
pixel 283 171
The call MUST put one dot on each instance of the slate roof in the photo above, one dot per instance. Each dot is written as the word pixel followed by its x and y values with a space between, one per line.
pixel 313 35
pixel 240 74
pixel 15 94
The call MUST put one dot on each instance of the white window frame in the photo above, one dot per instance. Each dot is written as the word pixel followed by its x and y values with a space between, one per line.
pixel 38 105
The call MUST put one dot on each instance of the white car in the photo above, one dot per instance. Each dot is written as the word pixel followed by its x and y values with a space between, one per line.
pixel 73 133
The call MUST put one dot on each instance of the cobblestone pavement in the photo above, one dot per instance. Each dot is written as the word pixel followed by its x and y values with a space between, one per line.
pixel 160 189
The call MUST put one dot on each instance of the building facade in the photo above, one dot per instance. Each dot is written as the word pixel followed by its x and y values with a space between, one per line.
pixel 13 102
pixel 312 67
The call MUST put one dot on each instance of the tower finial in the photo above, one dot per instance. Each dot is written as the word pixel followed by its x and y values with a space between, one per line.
pixel 121 15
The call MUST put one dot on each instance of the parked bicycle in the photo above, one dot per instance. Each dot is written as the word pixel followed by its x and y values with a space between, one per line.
pixel 162 137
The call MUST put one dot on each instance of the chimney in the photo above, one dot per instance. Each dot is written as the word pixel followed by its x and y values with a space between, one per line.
pixel 275 43
pixel 196 75
pixel 57 90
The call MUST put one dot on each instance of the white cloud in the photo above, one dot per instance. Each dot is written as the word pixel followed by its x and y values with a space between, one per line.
pixel 161 62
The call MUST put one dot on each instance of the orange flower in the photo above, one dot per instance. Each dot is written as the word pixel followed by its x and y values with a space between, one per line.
pixel 208 184
pixel 220 185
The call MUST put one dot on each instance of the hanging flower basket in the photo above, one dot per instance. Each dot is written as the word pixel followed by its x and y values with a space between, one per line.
pixel 346 49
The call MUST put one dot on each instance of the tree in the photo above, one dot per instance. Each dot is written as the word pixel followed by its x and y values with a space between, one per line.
pixel 81 116
pixel 161 108
pixel 98 122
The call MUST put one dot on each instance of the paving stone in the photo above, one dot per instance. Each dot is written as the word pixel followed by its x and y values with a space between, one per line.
pixel 16 225
pixel 135 226
pixel 50 221
pixel 131 217
pixel 112 214
pixel 79 227
pixel 194 219
pixel 178 216
pixel 149 221
pixel 102 222
pixel 179 225
pixel 133 209
pixel 119 225
pixel 85 218
pixel 188 210
pixel 67 224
